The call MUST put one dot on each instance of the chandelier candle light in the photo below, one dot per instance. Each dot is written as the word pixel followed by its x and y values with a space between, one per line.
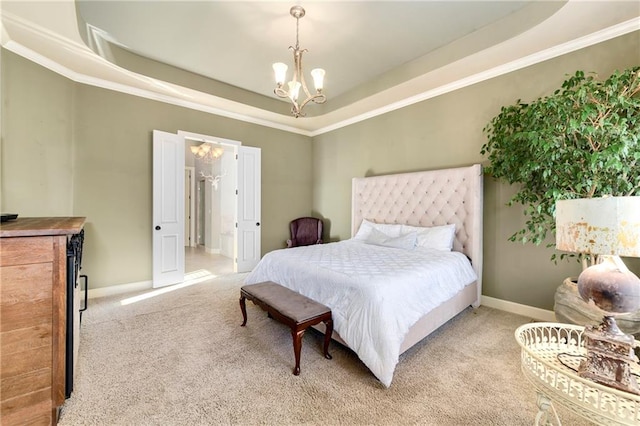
pixel 292 90
pixel 607 227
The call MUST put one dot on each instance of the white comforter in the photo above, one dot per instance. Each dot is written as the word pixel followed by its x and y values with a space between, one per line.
pixel 376 293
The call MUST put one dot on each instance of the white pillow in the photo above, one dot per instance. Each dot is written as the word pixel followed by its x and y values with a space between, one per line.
pixel 392 230
pixel 363 231
pixel 406 242
pixel 435 237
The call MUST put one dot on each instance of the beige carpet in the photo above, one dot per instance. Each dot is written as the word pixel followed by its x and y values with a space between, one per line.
pixel 181 358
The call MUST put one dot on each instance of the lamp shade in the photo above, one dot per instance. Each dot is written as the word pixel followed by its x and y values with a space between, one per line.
pixel 318 78
pixel 280 71
pixel 294 89
pixel 604 226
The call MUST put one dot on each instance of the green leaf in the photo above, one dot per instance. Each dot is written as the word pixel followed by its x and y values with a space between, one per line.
pixel 581 141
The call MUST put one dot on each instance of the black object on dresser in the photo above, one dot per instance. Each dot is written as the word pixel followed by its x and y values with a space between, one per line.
pixel 74 311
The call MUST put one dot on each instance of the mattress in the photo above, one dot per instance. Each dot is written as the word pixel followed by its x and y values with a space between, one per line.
pixel 376 293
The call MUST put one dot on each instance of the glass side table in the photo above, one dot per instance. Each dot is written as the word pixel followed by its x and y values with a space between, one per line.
pixel 551 353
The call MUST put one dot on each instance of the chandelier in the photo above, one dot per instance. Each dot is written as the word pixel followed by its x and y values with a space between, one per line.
pixel 292 90
pixel 206 152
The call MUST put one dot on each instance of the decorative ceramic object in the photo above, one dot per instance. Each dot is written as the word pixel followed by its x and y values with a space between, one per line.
pixel 572 309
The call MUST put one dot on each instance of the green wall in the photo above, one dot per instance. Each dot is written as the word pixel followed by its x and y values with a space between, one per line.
pixel 446 131
pixel 73 149
pixel 37 139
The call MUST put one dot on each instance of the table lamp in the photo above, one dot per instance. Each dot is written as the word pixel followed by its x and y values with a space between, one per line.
pixel 608 227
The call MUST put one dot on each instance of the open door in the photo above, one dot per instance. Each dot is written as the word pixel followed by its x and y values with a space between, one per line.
pixel 168 209
pixel 248 235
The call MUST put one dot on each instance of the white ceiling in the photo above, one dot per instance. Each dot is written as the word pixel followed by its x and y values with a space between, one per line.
pixel 236 42
pixel 378 55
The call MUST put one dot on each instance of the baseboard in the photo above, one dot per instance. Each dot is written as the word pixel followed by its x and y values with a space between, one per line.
pixel 119 289
pixel 491 302
pixel 516 308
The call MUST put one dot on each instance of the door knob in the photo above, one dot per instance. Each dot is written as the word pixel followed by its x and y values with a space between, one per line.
pixel 158 227
pixel 257 223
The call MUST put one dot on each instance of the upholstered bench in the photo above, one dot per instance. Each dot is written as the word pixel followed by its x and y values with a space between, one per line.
pixel 292 309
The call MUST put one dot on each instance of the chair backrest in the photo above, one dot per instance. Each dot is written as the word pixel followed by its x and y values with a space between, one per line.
pixel 305 231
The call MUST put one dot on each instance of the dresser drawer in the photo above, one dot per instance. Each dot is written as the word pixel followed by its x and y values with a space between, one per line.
pixel 26 338
pixel 26 296
pixel 25 251
pixel 33 408
pixel 23 384
pixel 24 363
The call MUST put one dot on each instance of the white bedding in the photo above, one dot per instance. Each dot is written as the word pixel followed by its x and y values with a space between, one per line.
pixel 376 293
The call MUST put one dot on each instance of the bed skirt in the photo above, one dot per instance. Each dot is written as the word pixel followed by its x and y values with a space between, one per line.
pixel 431 321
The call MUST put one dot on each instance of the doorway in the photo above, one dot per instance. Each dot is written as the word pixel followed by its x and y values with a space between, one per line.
pixel 239 207
pixel 196 259
pixel 211 243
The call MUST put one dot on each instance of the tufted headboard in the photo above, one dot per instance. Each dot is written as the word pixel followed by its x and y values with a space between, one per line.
pixel 435 197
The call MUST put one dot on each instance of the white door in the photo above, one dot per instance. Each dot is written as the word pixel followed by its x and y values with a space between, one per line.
pixel 168 209
pixel 247 251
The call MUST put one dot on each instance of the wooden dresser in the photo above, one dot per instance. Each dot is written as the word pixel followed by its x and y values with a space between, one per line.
pixel 33 318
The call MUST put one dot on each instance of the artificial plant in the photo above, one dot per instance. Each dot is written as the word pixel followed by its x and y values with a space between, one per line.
pixel 582 141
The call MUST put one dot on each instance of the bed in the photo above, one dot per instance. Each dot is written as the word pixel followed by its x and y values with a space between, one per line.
pixel 387 290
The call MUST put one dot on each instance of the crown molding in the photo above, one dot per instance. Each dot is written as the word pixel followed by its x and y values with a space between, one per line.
pixel 544 55
pixel 51 50
pixel 122 80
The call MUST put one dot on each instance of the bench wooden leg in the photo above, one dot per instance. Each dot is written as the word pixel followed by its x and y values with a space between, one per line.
pixel 243 308
pixel 327 337
pixel 297 345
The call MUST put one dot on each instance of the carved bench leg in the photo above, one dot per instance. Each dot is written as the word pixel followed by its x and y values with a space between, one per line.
pixel 327 337
pixel 243 308
pixel 297 345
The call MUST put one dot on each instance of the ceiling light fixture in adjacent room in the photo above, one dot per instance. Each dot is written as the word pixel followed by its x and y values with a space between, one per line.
pixel 207 152
pixel 292 89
